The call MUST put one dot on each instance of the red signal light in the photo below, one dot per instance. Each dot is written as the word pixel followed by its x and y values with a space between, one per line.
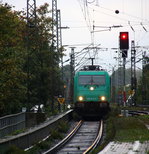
pixel 124 36
pixel 124 40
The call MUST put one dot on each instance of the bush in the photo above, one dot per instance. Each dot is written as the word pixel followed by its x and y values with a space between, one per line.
pixel 14 150
pixel 55 134
pixel 63 127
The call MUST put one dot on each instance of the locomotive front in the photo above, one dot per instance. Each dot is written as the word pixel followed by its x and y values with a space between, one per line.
pixel 91 91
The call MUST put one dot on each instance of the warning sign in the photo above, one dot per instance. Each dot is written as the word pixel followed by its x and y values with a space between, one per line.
pixel 131 92
pixel 61 100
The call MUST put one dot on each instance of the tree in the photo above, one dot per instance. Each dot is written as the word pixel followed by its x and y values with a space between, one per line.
pixel 44 61
pixel 12 52
pixel 143 90
pixel 44 71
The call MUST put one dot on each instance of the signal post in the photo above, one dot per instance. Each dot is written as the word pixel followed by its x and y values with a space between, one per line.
pixel 124 46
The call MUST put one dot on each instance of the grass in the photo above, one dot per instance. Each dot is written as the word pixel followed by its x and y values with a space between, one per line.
pixel 55 134
pixel 129 129
pixel 144 119
pixel 14 150
pixel 16 132
pixel 124 129
pixel 63 127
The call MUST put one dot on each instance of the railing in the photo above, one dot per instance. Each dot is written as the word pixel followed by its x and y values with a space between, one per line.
pixel 32 136
pixel 11 123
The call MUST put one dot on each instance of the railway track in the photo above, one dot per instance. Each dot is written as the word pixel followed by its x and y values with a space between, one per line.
pixel 138 112
pixel 84 138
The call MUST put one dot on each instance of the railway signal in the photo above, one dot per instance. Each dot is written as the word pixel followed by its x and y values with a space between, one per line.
pixel 124 46
pixel 124 41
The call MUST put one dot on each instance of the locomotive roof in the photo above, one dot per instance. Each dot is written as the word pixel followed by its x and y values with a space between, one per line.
pixel 91 68
pixel 93 72
pixel 101 72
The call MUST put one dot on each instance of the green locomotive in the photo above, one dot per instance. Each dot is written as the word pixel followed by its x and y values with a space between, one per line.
pixel 91 91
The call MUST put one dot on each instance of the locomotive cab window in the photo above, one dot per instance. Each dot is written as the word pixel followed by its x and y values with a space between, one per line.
pixel 92 79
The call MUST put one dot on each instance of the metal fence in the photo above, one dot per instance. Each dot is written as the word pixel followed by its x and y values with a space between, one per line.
pixel 33 136
pixel 11 123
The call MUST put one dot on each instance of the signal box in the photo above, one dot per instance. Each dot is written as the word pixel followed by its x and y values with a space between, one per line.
pixel 124 40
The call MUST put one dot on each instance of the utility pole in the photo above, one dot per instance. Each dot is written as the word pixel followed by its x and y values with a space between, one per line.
pixel 72 72
pixel 59 41
pixel 59 49
pixel 124 87
pixel 113 85
pixel 120 95
pixel 133 73
pixel 31 13
pixel 54 24
pixel 54 45
pixel 144 87
pixel 31 32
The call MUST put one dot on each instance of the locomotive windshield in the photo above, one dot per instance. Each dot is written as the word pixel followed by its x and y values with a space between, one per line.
pixel 92 79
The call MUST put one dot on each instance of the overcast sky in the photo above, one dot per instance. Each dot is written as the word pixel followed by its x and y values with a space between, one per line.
pixel 81 15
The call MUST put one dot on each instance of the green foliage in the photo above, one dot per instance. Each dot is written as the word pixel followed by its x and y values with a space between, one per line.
pixel 63 127
pixel 130 129
pixel 144 119
pixel 14 150
pixel 66 70
pixel 124 129
pixel 16 132
pixel 15 58
pixel 45 82
pixel 76 116
pixel 43 145
pixel 12 91
pixel 127 76
pixel 34 150
pixel 143 84
pixel 55 134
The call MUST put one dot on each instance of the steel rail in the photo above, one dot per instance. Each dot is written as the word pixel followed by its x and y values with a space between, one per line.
pixel 65 140
pixel 138 112
pixel 98 138
pixel 86 138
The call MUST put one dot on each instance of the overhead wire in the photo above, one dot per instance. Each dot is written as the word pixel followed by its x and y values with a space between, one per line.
pixel 84 13
pixel 82 64
pixel 88 21
pixel 81 54
pixel 91 1
pixel 124 13
pixel 82 58
pixel 120 19
pixel 87 17
pixel 83 49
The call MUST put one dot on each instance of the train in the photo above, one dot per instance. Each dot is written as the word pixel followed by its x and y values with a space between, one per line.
pixel 92 91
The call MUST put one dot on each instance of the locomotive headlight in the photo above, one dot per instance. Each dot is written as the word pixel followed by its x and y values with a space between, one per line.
pixel 103 98
pixel 92 88
pixel 80 98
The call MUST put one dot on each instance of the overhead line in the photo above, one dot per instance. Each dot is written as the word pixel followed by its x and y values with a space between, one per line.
pixel 136 17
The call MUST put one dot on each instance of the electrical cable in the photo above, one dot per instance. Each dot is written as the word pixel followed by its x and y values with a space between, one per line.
pixel 84 14
pixel 83 63
pixel 90 2
pixel 126 14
